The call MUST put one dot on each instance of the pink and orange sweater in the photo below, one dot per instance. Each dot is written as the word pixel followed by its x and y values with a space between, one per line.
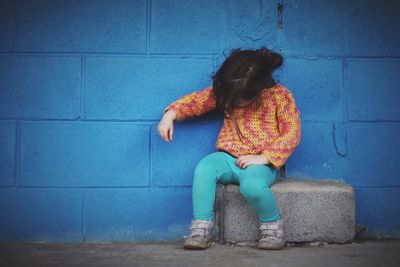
pixel 272 129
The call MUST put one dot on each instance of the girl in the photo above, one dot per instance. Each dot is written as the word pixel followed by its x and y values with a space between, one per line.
pixel 261 130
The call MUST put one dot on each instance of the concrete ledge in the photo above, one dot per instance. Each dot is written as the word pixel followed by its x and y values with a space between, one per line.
pixel 311 211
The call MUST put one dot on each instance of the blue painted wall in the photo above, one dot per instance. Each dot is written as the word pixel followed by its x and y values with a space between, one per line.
pixel 83 85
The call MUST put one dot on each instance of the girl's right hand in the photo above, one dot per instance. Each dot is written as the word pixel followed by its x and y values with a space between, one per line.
pixel 166 126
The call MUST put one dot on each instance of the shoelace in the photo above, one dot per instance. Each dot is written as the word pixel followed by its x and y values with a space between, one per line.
pixel 270 230
pixel 199 229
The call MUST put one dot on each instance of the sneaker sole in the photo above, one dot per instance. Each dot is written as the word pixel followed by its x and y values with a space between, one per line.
pixel 270 247
pixel 196 246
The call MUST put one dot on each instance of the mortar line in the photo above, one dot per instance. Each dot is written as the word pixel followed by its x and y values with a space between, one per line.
pixel 15 26
pixel 346 39
pixel 83 213
pixel 344 91
pixel 17 178
pixel 172 186
pixel 221 19
pixel 344 103
pixel 197 55
pixel 105 54
pixel 15 155
pixel 84 188
pixel 335 142
pixel 76 53
pixel 186 55
pixel 375 186
pixel 82 91
pixel 108 188
pixel 151 182
pixel 151 121
pixel 77 120
pixel 12 186
pixel 373 121
pixel 373 57
pixel 148 26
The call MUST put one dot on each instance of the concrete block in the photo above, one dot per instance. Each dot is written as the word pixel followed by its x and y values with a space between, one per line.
pixel 6 25
pixel 318 99
pixel 35 87
pixel 84 154
pixel 7 153
pixel 174 163
pixel 318 156
pixel 82 26
pixel 372 87
pixel 311 211
pixel 185 27
pixel 137 214
pixel 29 215
pixel 307 27
pixel 368 36
pixel 249 23
pixel 373 155
pixel 378 210
pixel 140 88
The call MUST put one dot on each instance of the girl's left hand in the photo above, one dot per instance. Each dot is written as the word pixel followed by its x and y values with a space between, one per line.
pixel 246 160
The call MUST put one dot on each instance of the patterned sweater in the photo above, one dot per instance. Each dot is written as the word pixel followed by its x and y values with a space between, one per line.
pixel 272 129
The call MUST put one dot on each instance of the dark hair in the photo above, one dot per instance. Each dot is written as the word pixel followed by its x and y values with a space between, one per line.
pixel 243 75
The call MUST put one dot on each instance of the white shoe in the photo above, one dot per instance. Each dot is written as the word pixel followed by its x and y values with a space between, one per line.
pixel 271 236
pixel 200 235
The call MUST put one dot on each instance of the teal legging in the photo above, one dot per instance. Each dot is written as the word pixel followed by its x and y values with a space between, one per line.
pixel 220 167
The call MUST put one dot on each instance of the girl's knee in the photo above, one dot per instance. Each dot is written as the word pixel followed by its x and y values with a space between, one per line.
pixel 251 189
pixel 208 164
pixel 203 168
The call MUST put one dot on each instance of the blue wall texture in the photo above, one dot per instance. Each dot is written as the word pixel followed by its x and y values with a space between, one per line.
pixel 83 85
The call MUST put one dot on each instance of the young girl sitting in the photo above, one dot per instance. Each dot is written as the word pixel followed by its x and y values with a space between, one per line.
pixel 261 130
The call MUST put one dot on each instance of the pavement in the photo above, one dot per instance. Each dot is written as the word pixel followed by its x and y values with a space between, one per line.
pixel 361 253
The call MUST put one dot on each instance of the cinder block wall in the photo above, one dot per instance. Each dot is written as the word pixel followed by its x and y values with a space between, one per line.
pixel 83 85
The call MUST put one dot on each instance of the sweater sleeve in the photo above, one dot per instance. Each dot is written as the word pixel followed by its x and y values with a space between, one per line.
pixel 289 125
pixel 194 104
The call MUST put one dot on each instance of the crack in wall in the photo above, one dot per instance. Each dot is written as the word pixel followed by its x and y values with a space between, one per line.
pixel 339 137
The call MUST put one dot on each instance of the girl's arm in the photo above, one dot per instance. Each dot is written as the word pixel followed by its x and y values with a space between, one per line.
pixel 166 126
pixel 288 119
pixel 194 104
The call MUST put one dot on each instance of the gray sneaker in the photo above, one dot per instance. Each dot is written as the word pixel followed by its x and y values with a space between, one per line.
pixel 200 236
pixel 271 236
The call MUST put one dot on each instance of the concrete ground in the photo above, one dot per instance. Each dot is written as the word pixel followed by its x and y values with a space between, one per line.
pixel 366 253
